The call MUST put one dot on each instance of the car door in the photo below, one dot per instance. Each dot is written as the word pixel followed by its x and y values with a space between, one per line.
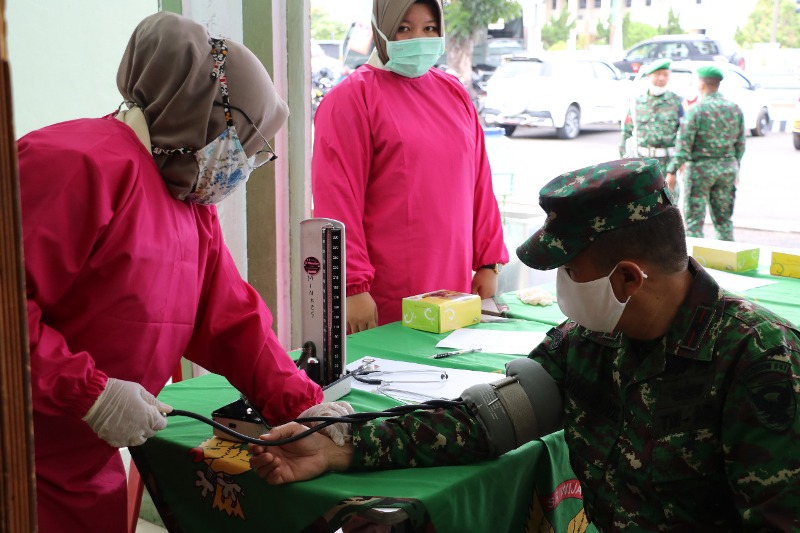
pixel 611 93
pixel 738 89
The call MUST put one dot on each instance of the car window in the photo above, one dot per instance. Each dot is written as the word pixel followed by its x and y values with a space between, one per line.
pixel 734 79
pixel 706 47
pixel 674 51
pixel 523 69
pixel 644 51
pixel 580 70
pixel 603 71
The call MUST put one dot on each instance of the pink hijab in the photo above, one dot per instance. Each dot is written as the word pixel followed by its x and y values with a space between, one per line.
pixel 166 70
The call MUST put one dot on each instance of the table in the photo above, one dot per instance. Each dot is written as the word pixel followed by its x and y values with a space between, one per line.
pixel 782 298
pixel 201 483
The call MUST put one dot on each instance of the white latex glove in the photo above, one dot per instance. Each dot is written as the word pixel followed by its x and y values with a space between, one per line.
pixel 125 414
pixel 339 432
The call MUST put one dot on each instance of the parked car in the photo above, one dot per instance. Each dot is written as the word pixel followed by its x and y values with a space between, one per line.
pixel 554 91
pixel 796 126
pixel 695 47
pixel 736 86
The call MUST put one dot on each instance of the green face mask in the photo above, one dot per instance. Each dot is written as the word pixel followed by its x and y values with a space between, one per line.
pixel 412 57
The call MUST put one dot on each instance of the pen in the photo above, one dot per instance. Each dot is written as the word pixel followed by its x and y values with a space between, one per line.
pixel 457 352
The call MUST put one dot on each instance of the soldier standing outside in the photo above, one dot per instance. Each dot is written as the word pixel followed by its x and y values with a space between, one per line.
pixel 652 122
pixel 711 144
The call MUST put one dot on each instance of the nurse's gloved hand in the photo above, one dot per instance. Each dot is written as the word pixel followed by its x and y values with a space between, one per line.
pixel 339 432
pixel 125 414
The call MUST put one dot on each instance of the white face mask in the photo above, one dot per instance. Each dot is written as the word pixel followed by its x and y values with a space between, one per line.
pixel 591 304
pixel 655 90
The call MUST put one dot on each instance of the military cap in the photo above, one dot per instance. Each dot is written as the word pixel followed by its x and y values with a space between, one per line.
pixel 582 204
pixel 710 71
pixel 660 64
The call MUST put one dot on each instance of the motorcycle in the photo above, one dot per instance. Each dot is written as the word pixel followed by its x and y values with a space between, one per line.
pixel 321 83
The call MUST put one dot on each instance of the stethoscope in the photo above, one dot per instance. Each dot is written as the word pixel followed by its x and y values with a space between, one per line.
pixel 369 373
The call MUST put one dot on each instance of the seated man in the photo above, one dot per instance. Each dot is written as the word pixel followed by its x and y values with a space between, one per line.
pixel 679 398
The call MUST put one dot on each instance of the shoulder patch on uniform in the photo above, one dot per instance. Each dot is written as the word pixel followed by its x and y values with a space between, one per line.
pixel 556 337
pixel 772 394
pixel 775 404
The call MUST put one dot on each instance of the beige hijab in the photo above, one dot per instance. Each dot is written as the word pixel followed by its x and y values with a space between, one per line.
pixel 166 70
pixel 389 14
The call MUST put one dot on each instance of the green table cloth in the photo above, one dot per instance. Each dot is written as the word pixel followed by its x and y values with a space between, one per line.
pixel 202 483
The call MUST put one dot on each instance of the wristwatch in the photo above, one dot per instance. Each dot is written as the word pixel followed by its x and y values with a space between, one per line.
pixel 497 267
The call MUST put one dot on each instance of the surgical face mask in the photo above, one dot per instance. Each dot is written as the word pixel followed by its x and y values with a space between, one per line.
pixel 222 166
pixel 591 304
pixel 655 90
pixel 412 57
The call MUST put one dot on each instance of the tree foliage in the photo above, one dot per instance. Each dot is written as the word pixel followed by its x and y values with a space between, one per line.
pixel 758 28
pixel 634 32
pixel 323 27
pixel 673 26
pixel 464 17
pixel 557 29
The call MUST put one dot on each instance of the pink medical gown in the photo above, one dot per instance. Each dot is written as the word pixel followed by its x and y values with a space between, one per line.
pixel 402 163
pixel 123 280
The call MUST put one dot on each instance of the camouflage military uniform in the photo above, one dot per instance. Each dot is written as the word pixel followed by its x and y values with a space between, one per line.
pixel 711 143
pixel 657 122
pixel 697 431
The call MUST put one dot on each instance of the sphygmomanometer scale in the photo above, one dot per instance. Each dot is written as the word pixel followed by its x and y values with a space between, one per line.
pixel 322 252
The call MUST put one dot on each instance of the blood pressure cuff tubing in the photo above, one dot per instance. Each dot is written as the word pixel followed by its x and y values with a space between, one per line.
pixel 519 408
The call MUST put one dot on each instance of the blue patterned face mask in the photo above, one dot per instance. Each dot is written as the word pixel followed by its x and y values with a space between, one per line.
pixel 223 164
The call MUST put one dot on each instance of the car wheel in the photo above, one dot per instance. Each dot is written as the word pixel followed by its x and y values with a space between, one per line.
pixel 796 140
pixel 762 124
pixel 509 130
pixel 572 124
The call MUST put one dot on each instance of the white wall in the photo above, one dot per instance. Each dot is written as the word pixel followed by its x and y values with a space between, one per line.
pixel 64 56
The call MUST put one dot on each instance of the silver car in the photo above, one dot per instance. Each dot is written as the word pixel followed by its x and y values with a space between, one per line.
pixel 554 91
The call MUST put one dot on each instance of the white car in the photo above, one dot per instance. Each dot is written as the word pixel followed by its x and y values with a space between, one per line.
pixel 736 86
pixel 561 92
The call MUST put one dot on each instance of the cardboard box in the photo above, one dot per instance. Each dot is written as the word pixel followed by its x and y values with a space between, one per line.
pixel 785 262
pixel 441 311
pixel 726 255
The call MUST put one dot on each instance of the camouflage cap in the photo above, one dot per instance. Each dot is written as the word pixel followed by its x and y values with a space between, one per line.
pixel 584 203
pixel 659 64
pixel 710 71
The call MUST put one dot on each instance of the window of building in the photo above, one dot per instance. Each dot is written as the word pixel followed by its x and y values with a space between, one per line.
pixel 555 4
pixel 648 2
pixel 598 3
pixel 628 3
pixel 582 4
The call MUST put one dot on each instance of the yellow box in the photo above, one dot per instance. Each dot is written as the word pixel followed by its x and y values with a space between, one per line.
pixel 726 255
pixel 785 262
pixel 441 311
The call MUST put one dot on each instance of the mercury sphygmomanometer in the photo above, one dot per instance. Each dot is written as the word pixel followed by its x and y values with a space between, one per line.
pixel 524 405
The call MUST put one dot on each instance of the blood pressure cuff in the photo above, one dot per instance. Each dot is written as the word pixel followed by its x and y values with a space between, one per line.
pixel 519 408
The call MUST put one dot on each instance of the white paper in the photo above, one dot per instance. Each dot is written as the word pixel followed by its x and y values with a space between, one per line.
pixel 433 387
pixel 735 282
pixel 493 341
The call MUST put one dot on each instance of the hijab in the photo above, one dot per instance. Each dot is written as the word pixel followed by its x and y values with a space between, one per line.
pixel 166 71
pixel 388 16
